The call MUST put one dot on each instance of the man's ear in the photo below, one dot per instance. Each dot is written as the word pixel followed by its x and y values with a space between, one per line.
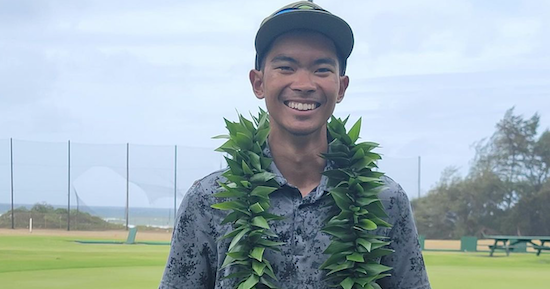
pixel 256 80
pixel 344 82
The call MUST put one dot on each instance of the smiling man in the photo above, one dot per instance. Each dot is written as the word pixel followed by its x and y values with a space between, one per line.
pixel 301 58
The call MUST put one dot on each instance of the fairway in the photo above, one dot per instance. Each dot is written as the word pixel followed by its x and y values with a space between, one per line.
pixel 479 271
pixel 59 262
pixel 42 261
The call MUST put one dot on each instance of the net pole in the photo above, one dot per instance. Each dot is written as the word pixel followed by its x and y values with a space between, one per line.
pixel 68 185
pixel 419 174
pixel 127 184
pixel 175 178
pixel 11 184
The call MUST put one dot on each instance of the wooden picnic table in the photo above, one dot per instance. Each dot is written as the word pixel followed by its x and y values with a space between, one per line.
pixel 509 243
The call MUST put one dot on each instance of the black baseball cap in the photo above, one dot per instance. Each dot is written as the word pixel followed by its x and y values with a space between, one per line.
pixel 305 15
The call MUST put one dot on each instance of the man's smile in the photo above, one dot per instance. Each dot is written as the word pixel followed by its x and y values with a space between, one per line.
pixel 302 105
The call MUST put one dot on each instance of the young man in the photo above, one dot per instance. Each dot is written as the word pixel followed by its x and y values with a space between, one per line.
pixel 300 73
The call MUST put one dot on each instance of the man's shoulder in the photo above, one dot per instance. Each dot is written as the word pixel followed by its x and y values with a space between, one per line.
pixel 394 198
pixel 392 189
pixel 209 184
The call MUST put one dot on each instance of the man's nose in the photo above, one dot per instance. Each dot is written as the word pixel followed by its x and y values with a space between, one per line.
pixel 303 81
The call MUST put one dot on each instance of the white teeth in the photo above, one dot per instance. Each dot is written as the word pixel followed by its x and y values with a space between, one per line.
pixel 301 106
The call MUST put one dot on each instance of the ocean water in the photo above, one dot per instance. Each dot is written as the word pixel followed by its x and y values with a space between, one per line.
pixel 154 217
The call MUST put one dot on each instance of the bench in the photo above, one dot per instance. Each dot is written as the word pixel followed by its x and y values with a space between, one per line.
pixel 540 248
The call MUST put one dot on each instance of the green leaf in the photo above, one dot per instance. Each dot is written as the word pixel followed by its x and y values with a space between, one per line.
pixel 377 209
pixel 254 160
pixel 227 261
pixel 250 282
pixel 358 155
pixel 266 162
pixel 366 244
pixel 347 283
pixel 228 147
pixel 259 221
pixel 337 246
pixel 262 191
pixel 362 162
pixel 261 135
pixel 340 267
pixel 367 224
pixel 267 283
pixel 354 131
pixel 231 217
pixel 246 169
pixel 256 208
pixel 230 194
pixel 375 269
pixel 234 166
pixel 355 257
pixel 268 243
pixel 230 205
pixel 365 201
pixel 380 222
pixel 232 233
pixel 246 123
pixel 269 270
pixel 333 260
pixel 257 253
pixel 258 267
pixel 337 174
pixel 238 237
pixel 221 136
pixel 262 177
pixel 364 281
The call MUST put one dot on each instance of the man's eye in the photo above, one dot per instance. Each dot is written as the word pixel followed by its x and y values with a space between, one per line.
pixel 285 68
pixel 324 70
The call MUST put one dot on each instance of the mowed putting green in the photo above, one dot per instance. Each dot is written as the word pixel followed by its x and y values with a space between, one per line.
pixel 34 262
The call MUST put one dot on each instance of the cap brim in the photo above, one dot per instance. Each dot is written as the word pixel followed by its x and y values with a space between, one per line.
pixel 332 26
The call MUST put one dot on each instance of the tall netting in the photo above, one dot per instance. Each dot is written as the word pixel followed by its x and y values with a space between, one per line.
pixel 195 163
pixel 98 186
pixel 5 187
pixel 39 184
pixel 152 177
pixel 79 186
pixel 403 170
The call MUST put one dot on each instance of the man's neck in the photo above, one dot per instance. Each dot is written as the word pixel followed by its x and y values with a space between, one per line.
pixel 298 158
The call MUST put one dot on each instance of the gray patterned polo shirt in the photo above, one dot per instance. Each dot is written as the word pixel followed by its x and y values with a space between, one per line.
pixel 195 254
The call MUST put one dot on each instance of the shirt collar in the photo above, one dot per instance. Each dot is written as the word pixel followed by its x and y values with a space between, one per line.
pixel 312 196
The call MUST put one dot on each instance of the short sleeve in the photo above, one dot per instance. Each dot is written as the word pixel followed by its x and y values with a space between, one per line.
pixel 409 270
pixel 192 259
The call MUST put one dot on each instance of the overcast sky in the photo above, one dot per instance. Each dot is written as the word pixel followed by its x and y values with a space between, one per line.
pixel 428 77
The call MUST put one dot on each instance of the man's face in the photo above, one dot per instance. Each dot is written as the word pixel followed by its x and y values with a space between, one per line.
pixel 300 82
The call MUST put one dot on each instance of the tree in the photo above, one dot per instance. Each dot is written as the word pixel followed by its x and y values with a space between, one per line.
pixel 504 192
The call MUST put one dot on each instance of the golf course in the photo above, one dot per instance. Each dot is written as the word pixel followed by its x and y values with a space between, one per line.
pixel 55 260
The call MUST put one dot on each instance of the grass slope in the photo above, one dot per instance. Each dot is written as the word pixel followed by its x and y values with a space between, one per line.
pixel 58 262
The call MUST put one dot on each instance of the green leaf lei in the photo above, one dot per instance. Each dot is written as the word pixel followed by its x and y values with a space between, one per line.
pixel 356 210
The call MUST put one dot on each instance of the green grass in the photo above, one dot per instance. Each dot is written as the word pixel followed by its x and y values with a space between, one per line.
pixel 59 262
pixel 37 262
pixel 479 271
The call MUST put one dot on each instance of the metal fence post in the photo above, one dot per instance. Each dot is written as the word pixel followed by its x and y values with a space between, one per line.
pixel 11 184
pixel 127 184
pixel 175 179
pixel 69 185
